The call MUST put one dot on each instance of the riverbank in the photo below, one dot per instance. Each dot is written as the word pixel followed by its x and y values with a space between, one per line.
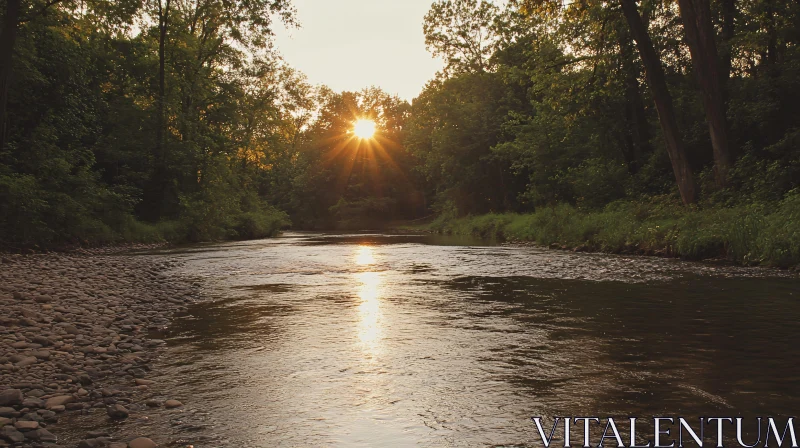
pixel 75 339
pixel 747 235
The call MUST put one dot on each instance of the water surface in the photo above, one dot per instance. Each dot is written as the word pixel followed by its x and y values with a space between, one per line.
pixel 330 340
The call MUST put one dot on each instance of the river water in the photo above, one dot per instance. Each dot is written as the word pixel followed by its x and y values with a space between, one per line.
pixel 356 340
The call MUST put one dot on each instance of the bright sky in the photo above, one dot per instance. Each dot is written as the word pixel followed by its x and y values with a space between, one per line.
pixel 353 44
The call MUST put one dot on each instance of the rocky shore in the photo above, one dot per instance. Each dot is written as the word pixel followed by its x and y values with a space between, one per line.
pixel 76 338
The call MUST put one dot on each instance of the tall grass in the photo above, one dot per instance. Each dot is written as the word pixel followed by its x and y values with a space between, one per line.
pixel 767 234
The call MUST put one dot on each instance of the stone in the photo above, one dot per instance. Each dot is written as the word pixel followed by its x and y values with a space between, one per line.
pixel 48 416
pixel 142 442
pixel 170 404
pixel 5 421
pixel 32 402
pixel 26 425
pixel 118 445
pixel 153 403
pixel 59 400
pixel 58 408
pixel 26 361
pixel 117 412
pixel 41 435
pixel 8 412
pixel 143 382
pixel 100 442
pixel 11 397
pixel 10 434
pixel 41 354
pixel 96 434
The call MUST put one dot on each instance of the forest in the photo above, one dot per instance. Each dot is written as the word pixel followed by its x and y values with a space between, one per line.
pixel 666 127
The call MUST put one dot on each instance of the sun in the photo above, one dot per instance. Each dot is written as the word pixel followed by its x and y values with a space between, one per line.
pixel 364 129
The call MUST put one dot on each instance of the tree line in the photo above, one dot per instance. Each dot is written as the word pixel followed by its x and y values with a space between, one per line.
pixel 178 119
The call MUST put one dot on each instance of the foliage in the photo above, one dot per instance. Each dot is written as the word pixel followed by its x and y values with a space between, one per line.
pixel 178 120
pixel 754 234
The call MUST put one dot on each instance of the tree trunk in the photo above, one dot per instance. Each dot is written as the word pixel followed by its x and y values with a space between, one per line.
pixel 726 53
pixel 638 130
pixel 696 17
pixel 654 74
pixel 7 40
pixel 160 181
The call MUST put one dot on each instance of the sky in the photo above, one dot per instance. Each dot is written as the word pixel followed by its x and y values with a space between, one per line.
pixel 353 44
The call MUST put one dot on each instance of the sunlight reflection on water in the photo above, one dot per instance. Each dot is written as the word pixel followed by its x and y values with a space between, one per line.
pixel 370 316
pixel 385 341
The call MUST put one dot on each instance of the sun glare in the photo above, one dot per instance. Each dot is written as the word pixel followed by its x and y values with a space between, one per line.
pixel 364 129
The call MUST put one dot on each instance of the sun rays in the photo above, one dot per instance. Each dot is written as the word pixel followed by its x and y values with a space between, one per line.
pixel 364 129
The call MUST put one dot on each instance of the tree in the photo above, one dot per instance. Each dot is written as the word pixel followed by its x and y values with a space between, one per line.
pixel 462 31
pixel 700 36
pixel 663 100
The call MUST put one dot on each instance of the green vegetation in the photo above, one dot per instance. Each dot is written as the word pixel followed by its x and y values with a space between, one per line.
pixel 764 234
pixel 624 126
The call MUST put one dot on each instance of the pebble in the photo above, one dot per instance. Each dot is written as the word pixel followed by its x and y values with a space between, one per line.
pixel 26 425
pixel 169 404
pixel 142 442
pixel 10 397
pixel 117 412
pixel 10 434
pixel 60 400
pixel 74 335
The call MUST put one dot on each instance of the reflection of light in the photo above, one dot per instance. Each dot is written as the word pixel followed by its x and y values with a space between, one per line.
pixel 364 256
pixel 369 326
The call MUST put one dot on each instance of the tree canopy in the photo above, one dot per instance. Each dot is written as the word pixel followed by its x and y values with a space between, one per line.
pixel 179 119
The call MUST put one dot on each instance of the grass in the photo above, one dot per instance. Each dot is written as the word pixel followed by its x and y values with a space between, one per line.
pixel 758 234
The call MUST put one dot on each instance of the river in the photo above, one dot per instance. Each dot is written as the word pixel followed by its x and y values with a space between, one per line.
pixel 369 340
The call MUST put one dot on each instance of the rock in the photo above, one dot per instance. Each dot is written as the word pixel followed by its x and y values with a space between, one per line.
pixel 42 340
pixel 32 402
pixel 118 445
pixel 41 354
pixel 8 412
pixel 58 408
pixel 10 434
pixel 117 412
pixel 60 400
pixel 143 382
pixel 142 442
pixel 10 397
pixel 41 435
pixel 26 425
pixel 100 442
pixel 152 403
pixel 5 421
pixel 96 434
pixel 169 404
pixel 26 361
pixel 48 416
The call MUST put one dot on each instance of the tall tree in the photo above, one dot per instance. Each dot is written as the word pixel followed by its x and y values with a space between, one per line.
pixel 462 32
pixel 654 74
pixel 8 38
pixel 696 15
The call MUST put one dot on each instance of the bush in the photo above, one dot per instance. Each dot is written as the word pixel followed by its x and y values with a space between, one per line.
pixel 766 234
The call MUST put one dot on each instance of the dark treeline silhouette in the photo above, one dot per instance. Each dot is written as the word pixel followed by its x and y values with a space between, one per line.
pixel 174 119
